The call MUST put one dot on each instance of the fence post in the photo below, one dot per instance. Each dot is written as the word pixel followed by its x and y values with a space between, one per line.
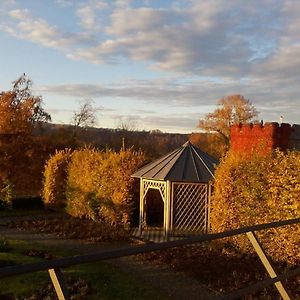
pixel 59 284
pixel 263 257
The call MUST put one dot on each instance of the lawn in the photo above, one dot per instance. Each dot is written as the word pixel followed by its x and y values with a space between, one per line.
pixel 99 280
pixel 218 265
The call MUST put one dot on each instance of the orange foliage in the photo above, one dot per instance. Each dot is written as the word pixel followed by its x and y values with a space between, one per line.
pixel 100 186
pixel 257 190
pixel 211 143
pixel 231 110
pixel 20 112
pixel 55 179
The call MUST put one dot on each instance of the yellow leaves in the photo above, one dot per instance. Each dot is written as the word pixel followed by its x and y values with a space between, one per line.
pixel 99 184
pixel 55 176
pixel 258 190
pixel 231 110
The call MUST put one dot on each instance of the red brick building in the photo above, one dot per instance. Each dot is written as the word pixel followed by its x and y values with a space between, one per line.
pixel 262 138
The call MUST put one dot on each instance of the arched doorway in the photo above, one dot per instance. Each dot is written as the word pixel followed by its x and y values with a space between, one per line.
pixel 154 208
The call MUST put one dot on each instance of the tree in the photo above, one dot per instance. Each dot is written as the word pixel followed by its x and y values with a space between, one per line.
pixel 20 110
pixel 86 116
pixel 231 110
pixel 20 113
pixel 211 143
pixel 127 125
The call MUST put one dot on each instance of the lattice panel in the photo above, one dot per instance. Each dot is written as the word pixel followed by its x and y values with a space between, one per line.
pixel 161 186
pixel 190 207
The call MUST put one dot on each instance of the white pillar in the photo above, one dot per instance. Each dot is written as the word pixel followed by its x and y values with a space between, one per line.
pixel 208 203
pixel 167 208
pixel 171 205
pixel 141 218
pixel 165 197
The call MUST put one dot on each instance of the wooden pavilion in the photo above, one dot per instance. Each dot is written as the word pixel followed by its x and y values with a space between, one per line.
pixel 183 179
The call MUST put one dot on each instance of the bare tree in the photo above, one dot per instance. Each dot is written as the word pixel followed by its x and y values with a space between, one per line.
pixel 86 115
pixel 127 125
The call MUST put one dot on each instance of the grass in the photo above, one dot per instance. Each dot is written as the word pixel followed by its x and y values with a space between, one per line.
pixel 105 280
pixel 114 284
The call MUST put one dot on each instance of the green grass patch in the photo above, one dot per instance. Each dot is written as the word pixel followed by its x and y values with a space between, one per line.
pixel 21 285
pixel 104 280
pixel 112 283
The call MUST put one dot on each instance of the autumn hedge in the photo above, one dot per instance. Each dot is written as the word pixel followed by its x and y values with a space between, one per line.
pixel 256 190
pixel 98 184
pixel 55 179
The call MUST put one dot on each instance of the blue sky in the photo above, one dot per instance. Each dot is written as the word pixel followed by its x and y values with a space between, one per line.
pixel 154 64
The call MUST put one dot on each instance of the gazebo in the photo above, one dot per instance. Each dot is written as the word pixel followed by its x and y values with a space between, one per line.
pixel 183 178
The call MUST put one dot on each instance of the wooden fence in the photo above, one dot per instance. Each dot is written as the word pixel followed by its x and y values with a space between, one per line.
pixel 54 266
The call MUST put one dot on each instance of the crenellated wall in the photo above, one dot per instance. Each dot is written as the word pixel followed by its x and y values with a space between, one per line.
pixel 294 141
pixel 262 138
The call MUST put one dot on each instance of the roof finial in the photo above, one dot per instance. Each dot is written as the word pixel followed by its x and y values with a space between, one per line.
pixel 281 120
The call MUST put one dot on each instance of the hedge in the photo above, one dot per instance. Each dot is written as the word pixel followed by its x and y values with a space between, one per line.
pixel 55 180
pixel 256 190
pixel 100 186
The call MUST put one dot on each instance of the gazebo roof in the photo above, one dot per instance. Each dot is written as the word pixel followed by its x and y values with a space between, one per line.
pixel 187 163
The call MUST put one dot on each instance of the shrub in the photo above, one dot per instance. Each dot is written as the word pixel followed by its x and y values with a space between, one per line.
pixel 6 194
pixel 55 178
pixel 84 173
pixel 256 190
pixel 100 186
pixel 4 244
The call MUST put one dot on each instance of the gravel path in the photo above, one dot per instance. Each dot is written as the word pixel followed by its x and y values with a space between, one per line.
pixel 176 285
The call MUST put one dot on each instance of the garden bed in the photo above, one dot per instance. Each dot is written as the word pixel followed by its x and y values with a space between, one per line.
pixel 222 268
pixel 74 228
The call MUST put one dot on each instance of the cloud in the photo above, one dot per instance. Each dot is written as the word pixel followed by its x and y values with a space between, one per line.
pixel 122 4
pixel 10 2
pixel 269 97
pixel 172 122
pixel 168 123
pixel 145 112
pixel 59 110
pixel 87 18
pixel 89 14
pixel 139 19
pixel 215 38
pixel 25 26
pixel 64 3
pixel 283 65
pixel 157 91
pixel 210 48
pixel 202 38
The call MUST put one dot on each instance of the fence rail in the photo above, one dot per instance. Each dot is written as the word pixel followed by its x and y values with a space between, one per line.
pixel 54 266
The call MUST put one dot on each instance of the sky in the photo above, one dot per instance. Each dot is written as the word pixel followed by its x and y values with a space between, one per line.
pixel 154 64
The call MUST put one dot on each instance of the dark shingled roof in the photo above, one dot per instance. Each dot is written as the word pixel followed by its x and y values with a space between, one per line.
pixel 187 163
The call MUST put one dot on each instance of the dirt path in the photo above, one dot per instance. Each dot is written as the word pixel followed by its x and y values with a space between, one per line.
pixel 176 285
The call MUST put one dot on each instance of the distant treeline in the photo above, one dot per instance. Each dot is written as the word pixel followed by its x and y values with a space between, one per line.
pixel 153 143
pixel 23 157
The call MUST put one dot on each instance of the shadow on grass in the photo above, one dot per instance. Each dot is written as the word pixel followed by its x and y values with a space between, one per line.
pixel 90 281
